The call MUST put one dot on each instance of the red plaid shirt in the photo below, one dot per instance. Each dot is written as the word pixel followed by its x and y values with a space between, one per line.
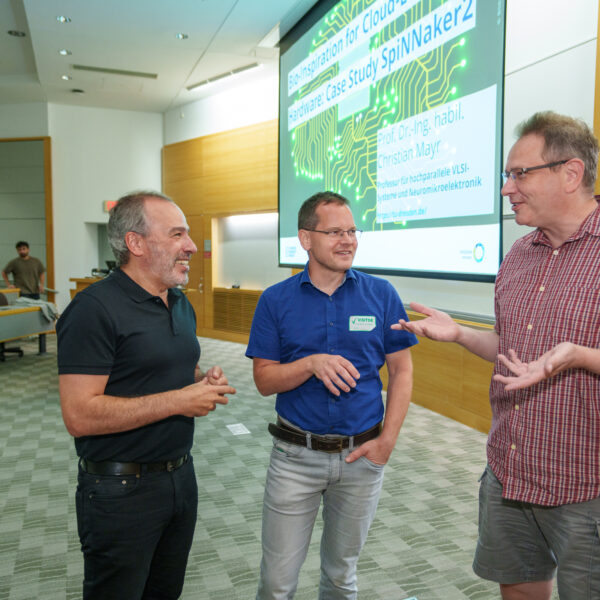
pixel 544 444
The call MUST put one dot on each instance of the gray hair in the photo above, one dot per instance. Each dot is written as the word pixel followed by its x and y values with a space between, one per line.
pixel 564 138
pixel 128 215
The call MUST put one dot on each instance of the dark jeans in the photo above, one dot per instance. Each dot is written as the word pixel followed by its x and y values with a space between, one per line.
pixel 136 533
pixel 32 296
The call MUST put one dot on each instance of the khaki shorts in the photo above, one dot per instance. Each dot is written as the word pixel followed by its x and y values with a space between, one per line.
pixel 521 542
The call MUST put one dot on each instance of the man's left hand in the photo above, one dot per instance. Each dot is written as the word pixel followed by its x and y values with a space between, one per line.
pixel 377 451
pixel 548 365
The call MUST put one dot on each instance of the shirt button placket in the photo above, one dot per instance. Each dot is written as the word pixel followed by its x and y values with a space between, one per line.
pixel 331 334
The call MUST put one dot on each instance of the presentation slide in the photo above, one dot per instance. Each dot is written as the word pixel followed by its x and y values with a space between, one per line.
pixel 397 105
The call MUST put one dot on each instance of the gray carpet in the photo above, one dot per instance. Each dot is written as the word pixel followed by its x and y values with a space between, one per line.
pixel 420 544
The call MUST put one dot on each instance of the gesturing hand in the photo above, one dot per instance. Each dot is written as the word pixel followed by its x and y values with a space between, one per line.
pixel 549 364
pixel 436 326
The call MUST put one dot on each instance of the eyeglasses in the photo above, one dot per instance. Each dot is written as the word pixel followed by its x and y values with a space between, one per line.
pixel 515 174
pixel 353 234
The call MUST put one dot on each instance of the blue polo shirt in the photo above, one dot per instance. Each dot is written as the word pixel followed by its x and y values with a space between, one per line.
pixel 294 319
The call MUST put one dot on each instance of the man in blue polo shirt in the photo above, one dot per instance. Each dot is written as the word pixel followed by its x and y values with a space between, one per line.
pixel 318 340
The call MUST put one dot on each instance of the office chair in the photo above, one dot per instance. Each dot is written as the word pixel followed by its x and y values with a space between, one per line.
pixel 3 348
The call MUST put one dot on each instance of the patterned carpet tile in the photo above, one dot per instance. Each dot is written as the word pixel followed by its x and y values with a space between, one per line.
pixel 421 542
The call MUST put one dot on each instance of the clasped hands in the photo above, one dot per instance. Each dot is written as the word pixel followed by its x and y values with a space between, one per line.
pixel 204 395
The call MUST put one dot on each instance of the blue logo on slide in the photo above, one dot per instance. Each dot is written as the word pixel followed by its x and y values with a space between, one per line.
pixel 478 252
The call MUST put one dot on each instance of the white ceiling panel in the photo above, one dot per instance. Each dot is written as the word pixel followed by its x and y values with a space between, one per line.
pixel 136 36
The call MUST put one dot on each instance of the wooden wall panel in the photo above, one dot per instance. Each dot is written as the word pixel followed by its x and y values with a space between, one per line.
pixel 234 309
pixel 250 190
pixel 187 193
pixel 451 381
pixel 228 173
pixel 183 161
pixel 232 172
pixel 240 149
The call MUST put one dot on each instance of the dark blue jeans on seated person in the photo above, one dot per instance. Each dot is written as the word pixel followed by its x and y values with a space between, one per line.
pixel 136 533
pixel 31 296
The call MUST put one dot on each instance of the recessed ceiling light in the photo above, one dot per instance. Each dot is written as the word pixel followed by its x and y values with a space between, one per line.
pixel 65 52
pixel 181 36
pixel 66 77
pixel 63 19
pixel 15 33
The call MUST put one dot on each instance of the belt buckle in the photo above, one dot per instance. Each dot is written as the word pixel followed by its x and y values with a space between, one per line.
pixel 339 445
pixel 170 465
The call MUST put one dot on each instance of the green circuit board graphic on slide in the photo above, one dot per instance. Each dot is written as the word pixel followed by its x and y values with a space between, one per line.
pixel 337 147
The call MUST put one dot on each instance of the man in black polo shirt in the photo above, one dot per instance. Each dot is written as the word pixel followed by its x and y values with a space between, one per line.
pixel 130 387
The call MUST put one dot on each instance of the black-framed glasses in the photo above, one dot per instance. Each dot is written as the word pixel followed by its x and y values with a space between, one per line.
pixel 519 173
pixel 353 233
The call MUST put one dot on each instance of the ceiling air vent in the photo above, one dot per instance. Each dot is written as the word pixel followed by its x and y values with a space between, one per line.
pixel 222 76
pixel 115 71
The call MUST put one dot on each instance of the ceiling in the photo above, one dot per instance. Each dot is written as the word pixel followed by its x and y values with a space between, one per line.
pixel 139 38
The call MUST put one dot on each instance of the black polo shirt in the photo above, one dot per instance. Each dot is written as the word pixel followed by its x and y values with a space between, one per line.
pixel 116 328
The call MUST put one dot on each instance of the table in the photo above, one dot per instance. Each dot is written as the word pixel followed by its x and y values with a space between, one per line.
pixel 17 323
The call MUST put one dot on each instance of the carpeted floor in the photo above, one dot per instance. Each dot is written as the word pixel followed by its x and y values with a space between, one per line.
pixel 420 544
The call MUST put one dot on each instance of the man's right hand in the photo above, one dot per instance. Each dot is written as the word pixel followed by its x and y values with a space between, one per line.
pixel 336 372
pixel 202 397
pixel 436 326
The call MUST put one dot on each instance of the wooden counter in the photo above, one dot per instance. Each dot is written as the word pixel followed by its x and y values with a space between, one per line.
pixel 81 283
pixel 11 294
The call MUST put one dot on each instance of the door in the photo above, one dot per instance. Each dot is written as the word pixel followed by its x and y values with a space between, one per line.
pixel 195 287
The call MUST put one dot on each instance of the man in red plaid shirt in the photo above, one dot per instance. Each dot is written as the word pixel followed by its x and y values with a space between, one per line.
pixel 539 500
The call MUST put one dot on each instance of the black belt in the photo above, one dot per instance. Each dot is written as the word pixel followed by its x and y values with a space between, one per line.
pixel 108 467
pixel 321 442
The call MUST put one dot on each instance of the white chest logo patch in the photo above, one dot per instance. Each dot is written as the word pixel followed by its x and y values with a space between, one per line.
pixel 361 323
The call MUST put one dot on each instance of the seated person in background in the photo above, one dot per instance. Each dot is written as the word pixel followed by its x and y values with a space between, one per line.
pixel 28 273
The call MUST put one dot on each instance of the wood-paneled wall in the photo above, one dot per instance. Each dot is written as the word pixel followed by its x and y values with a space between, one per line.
pixel 453 382
pixel 228 173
